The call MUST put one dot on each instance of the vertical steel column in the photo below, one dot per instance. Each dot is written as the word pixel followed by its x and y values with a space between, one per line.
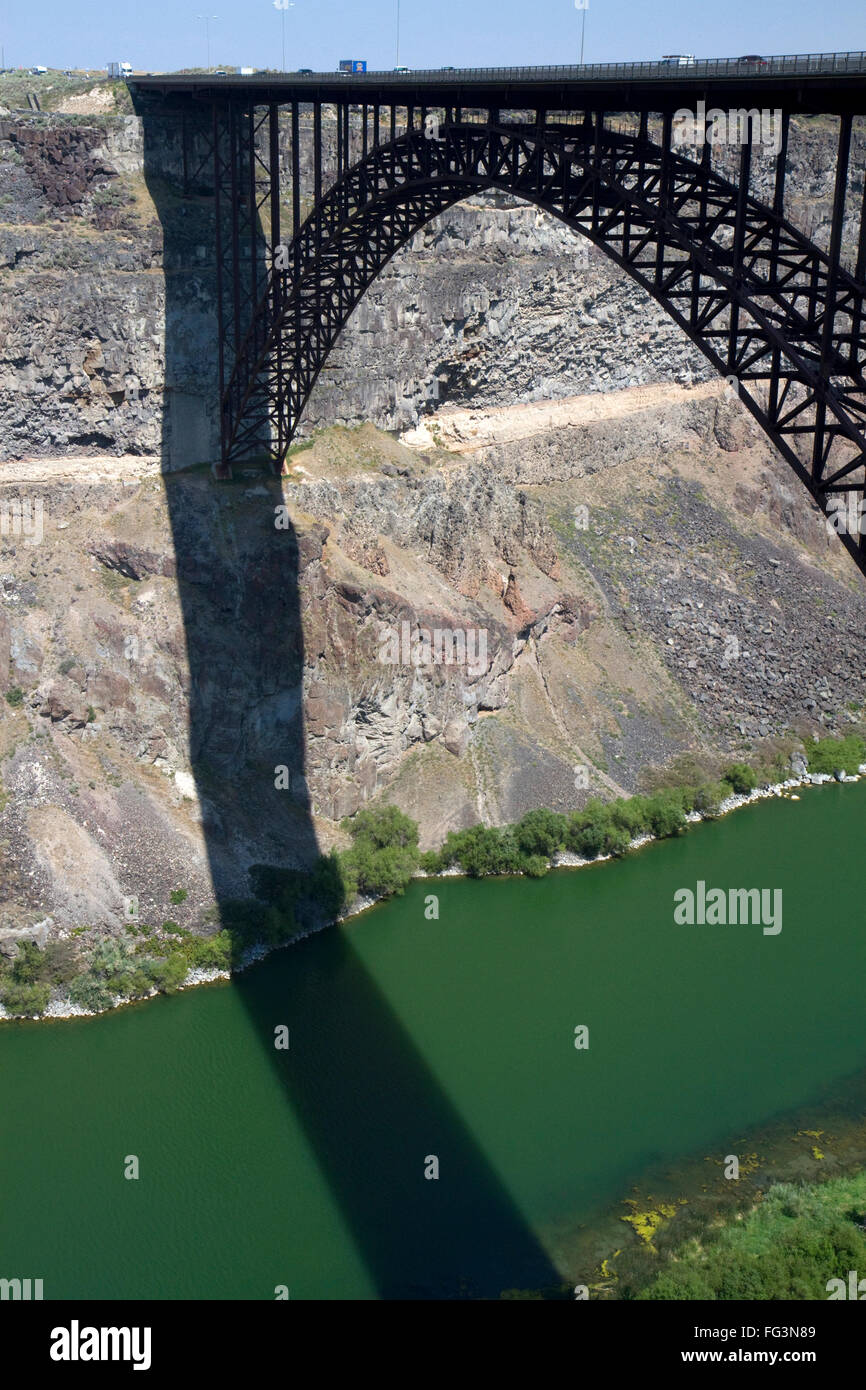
pixel 338 112
pixel 234 150
pixel 667 122
pixel 217 179
pixel 183 137
pixel 779 213
pixel 855 357
pixel 364 131
pixel 317 168
pixel 842 156
pixel 294 389
pixel 317 185
pixel 253 212
pixel 596 160
pixel 739 242
pixel 376 125
pixel 643 140
pixel 393 123
pixel 274 172
pixel 540 118
pixel 277 276
pixel 781 163
pixel 296 181
pixel 706 169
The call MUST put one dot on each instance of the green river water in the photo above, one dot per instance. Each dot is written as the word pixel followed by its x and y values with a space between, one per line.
pixel 411 1038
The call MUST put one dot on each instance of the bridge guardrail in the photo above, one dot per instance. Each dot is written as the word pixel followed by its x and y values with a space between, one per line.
pixel 788 65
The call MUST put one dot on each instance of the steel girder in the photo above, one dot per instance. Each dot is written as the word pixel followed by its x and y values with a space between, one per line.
pixel 765 305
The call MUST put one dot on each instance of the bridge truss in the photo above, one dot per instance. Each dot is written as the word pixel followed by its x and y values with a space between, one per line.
pixel 314 196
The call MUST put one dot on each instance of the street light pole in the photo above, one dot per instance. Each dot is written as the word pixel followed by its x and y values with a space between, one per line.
pixel 207 19
pixel 282 6
pixel 397 64
pixel 583 6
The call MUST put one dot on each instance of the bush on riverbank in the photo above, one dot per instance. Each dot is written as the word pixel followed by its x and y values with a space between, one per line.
pixel 529 846
pixel 787 1247
pixel 381 861
pixel 26 983
pixel 829 755
pixel 383 856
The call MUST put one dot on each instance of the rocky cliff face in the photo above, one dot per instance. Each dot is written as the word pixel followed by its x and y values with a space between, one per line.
pixel 197 678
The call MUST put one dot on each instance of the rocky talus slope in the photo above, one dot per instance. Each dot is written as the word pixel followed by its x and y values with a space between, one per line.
pixel 198 678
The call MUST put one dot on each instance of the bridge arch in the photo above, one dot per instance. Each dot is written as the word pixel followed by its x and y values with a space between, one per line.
pixel 765 305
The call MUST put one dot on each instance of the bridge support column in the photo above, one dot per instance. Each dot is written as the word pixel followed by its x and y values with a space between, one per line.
pixel 821 446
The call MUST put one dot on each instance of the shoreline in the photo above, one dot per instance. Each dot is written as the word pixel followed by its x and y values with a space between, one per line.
pixel 64 1008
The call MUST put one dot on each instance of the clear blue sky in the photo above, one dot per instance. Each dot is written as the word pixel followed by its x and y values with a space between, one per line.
pixel 162 35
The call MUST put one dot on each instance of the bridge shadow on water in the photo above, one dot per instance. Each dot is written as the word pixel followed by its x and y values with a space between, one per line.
pixel 368 1103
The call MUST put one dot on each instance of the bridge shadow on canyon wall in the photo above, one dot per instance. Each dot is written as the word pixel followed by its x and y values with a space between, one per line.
pixel 369 1105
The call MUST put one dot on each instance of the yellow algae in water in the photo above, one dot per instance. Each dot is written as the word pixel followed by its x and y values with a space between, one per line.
pixel 646 1223
pixel 813 1134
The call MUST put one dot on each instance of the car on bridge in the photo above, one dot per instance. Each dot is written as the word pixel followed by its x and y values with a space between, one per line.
pixel 679 60
pixel 754 58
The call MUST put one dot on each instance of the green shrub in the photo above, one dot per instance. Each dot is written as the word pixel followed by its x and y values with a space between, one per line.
pixel 831 755
pixel 541 832
pixel 383 856
pixel 24 999
pixel 587 829
pixel 379 872
pixel 707 798
pixel 665 815
pixel 383 827
pixel 167 975
pixel 178 896
pixel 482 850
pixel 616 841
pixel 15 697
pixel 174 930
pixel 326 885
pixel 27 965
pixel 91 993
pixel 741 778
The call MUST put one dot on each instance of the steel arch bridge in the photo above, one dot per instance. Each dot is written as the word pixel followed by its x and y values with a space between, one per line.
pixel 602 150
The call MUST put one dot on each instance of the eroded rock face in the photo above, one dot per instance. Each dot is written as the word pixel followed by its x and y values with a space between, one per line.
pixel 196 687
pixel 228 708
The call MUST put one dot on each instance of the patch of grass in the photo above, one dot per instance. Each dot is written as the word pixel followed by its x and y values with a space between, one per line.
pixel 831 755
pixel 790 1246
pixel 174 930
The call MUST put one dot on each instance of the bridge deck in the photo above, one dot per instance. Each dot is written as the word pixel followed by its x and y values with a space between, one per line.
pixel 815 82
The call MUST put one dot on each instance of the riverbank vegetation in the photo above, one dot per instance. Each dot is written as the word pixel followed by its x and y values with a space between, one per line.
pixel 788 1246
pixel 787 1243
pixel 380 862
